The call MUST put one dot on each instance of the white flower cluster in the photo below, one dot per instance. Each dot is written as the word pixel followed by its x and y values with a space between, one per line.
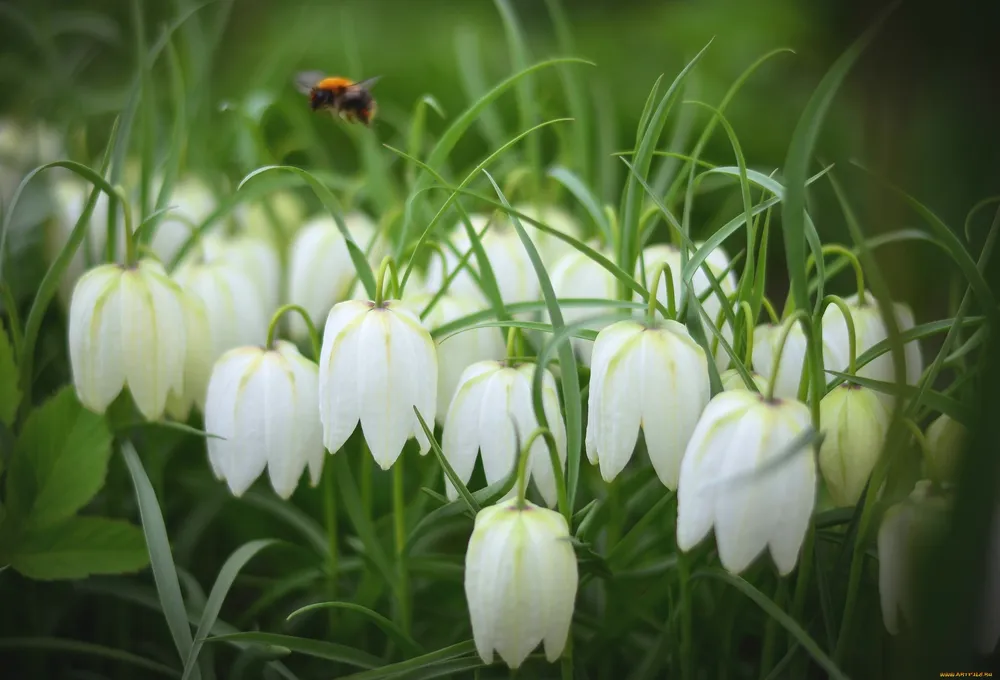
pixel 199 336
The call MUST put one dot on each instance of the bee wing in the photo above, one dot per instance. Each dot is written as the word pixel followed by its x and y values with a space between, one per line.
pixel 306 80
pixel 367 83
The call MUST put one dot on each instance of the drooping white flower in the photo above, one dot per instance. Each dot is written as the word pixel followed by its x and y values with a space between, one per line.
pixel 521 578
pixel 908 529
pixel 654 378
pixel 264 403
pixel 577 276
pixel 492 400
pixel 732 380
pixel 192 202
pixel 457 351
pixel 320 269
pixel 870 329
pixel 256 257
pixel 854 421
pixel 197 360
pixel 717 262
pixel 738 475
pixel 946 439
pixel 126 329
pixel 377 363
pixel 508 259
pixel 233 305
pixel 767 337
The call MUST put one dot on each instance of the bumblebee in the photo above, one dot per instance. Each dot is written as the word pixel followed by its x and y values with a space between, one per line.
pixel 351 100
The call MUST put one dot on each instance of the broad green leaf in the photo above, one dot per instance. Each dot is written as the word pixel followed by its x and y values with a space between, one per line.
pixel 10 395
pixel 79 547
pixel 59 462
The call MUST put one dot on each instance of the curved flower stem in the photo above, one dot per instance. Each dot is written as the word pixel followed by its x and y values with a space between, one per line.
pixel 771 312
pixel 399 527
pixel 661 269
pixel 859 273
pixel 513 345
pixel 786 327
pixel 748 319
pixel 130 250
pixel 390 264
pixel 852 343
pixel 272 328
pixel 557 470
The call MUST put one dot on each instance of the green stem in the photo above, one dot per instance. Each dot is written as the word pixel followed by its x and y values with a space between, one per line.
pixel 684 577
pixel 852 343
pixel 748 320
pixel 661 269
pixel 513 350
pixel 130 253
pixel 399 526
pixel 272 328
pixel 802 580
pixel 786 327
pixel 771 632
pixel 522 466
pixel 567 657
pixel 859 274
pixel 390 264
pixel 330 515
pixel 771 312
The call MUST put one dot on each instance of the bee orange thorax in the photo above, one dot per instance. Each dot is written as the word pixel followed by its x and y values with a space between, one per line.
pixel 334 83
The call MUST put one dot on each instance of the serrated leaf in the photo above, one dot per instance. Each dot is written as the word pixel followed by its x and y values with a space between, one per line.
pixel 60 461
pixel 80 547
pixel 10 395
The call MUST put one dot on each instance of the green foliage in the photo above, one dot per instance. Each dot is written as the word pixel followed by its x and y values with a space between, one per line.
pixel 10 394
pixel 79 547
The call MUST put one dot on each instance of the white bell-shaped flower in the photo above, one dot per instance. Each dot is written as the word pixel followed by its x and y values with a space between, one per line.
pixel 264 403
pixel 233 305
pixel 738 476
pixel 786 378
pixel 854 421
pixel 191 202
pixel 378 362
pixel 732 380
pixel 521 578
pixel 320 269
pixel 577 276
pixel 197 360
pixel 457 351
pixel 946 439
pixel 491 401
pixel 126 329
pixel 508 259
pixel 870 329
pixel 717 262
pixel 654 378
pixel 256 257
